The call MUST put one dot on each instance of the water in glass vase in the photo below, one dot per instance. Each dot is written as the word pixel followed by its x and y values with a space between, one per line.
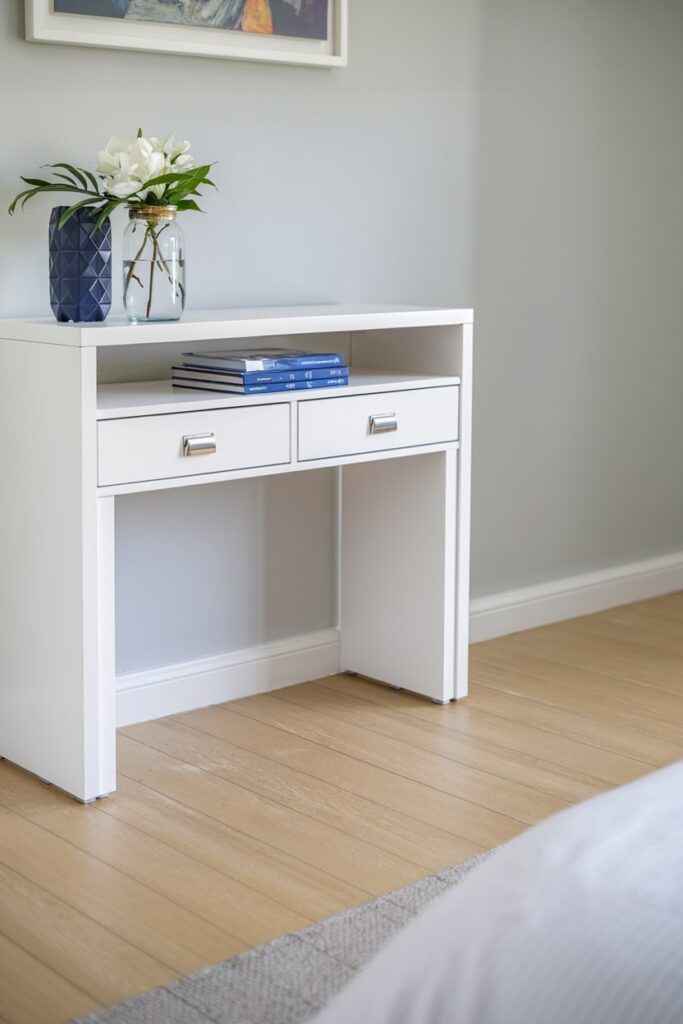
pixel 153 265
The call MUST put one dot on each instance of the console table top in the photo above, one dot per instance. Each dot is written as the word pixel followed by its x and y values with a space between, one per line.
pixel 255 322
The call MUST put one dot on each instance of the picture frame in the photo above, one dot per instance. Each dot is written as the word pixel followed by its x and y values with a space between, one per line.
pixel 44 25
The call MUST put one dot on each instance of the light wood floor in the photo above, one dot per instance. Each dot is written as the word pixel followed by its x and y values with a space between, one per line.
pixel 238 823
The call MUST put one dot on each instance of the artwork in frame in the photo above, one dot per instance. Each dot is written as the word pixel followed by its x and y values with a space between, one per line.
pixel 312 32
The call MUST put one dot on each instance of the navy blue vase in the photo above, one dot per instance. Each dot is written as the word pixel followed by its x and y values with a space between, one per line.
pixel 80 267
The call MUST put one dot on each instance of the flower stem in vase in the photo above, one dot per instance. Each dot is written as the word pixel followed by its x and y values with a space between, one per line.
pixel 130 274
pixel 152 264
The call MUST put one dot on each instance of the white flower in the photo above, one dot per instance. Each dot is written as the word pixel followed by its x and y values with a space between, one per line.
pixel 123 189
pixel 126 165
pixel 182 149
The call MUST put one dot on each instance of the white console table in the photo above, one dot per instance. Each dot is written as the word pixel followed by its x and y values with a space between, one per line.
pixel 88 414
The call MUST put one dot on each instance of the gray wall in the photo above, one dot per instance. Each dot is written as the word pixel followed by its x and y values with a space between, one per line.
pixel 578 288
pixel 360 185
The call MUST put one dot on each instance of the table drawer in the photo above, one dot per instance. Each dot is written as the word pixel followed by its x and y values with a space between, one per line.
pixel 334 427
pixel 192 443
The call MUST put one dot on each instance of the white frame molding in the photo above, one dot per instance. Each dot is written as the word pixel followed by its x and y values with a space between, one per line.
pixel 45 26
pixel 172 689
pixel 573 596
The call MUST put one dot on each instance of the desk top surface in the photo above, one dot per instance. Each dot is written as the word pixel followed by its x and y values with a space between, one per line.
pixel 256 322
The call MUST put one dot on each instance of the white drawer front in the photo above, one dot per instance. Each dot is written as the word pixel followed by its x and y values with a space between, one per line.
pixel 334 427
pixel 154 447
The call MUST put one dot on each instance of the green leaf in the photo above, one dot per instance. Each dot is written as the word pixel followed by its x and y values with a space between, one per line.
pixel 75 172
pixel 179 176
pixel 188 204
pixel 139 135
pixel 180 184
pixel 199 173
pixel 41 183
pixel 65 177
pixel 13 205
pixel 35 181
pixel 38 185
pixel 25 196
pixel 106 210
pixel 68 214
pixel 95 183
pixel 29 194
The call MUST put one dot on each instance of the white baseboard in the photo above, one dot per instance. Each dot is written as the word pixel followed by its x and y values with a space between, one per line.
pixel 154 693
pixel 171 690
pixel 540 605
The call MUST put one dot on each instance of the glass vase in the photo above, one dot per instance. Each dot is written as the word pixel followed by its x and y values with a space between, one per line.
pixel 153 265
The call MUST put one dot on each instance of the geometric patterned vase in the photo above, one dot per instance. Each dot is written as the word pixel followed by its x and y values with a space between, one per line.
pixel 80 267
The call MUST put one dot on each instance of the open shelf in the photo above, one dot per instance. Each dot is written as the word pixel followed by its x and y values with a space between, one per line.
pixel 157 397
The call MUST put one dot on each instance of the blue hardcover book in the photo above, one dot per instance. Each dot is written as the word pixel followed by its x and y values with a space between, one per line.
pixel 254 376
pixel 258 389
pixel 248 360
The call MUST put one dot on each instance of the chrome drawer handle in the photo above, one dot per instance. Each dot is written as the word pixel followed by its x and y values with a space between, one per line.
pixel 199 444
pixel 384 423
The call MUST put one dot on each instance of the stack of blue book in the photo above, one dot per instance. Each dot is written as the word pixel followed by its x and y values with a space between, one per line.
pixel 250 372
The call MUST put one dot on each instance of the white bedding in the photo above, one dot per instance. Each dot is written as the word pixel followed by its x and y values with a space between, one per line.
pixel 577 921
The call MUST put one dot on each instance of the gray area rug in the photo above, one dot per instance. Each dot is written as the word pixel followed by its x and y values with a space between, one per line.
pixel 289 979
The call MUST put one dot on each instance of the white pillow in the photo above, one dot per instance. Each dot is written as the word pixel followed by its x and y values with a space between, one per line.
pixel 577 921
